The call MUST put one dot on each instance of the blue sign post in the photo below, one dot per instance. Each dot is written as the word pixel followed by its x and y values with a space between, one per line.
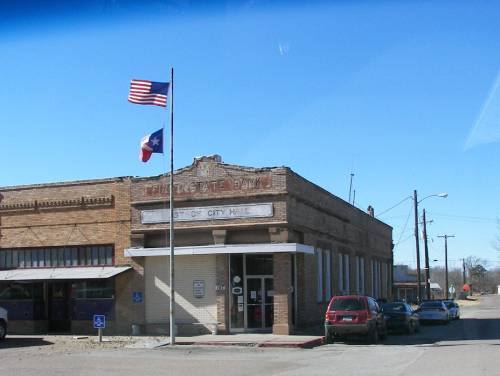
pixel 99 324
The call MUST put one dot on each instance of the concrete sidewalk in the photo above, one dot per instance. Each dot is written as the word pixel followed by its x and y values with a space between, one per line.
pixel 254 340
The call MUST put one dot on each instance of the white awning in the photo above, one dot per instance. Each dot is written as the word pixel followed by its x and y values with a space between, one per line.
pixel 222 248
pixel 62 273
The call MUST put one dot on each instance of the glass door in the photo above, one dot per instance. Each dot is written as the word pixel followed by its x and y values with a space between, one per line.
pixel 259 302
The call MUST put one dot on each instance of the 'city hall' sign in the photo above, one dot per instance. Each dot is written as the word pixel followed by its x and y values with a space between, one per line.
pixel 208 213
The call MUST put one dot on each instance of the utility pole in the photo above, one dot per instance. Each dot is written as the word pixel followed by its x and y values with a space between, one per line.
pixel 446 258
pixel 463 273
pixel 427 271
pixel 417 246
pixel 350 187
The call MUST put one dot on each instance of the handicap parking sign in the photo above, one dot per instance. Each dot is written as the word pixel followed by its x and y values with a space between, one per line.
pixel 137 297
pixel 99 321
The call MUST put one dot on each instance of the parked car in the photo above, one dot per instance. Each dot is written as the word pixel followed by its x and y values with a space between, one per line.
pixel 3 322
pixel 354 315
pixel 454 309
pixel 433 311
pixel 401 316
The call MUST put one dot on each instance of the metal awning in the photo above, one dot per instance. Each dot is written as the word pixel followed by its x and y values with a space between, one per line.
pixel 62 273
pixel 222 248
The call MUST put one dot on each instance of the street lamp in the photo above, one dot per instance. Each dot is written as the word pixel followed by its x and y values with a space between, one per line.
pixel 417 243
pixel 446 258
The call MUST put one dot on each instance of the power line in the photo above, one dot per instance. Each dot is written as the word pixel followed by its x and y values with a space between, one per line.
pixel 392 207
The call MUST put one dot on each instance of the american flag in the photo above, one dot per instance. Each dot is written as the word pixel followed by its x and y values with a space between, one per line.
pixel 148 92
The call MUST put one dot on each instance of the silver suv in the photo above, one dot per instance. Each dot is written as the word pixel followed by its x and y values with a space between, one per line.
pixel 3 323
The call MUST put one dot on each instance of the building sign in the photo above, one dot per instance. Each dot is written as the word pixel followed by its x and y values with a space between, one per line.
pixel 247 183
pixel 198 288
pixel 208 213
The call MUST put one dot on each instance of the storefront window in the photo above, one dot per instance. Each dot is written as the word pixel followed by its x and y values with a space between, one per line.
pixel 94 289
pixel 259 264
pixel 56 257
pixel 16 291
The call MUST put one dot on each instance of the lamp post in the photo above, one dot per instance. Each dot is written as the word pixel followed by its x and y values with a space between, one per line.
pixel 417 243
pixel 427 268
pixel 446 258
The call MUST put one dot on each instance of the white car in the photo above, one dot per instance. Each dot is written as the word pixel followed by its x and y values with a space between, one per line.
pixel 3 322
pixel 435 311
pixel 454 309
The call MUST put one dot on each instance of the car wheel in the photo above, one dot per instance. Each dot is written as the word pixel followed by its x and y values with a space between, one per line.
pixel 328 337
pixel 417 327
pixel 383 335
pixel 3 329
pixel 410 329
pixel 373 336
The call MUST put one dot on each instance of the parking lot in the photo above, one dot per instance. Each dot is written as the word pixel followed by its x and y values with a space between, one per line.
pixel 467 346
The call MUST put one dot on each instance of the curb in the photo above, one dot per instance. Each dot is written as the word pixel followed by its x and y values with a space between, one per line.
pixel 272 344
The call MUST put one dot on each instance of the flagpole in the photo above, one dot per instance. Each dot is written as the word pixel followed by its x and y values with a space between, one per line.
pixel 172 274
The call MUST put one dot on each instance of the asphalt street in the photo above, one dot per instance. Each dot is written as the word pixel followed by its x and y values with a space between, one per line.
pixel 470 346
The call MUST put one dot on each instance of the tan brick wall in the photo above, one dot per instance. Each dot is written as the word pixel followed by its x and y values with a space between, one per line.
pixel 60 224
pixel 282 264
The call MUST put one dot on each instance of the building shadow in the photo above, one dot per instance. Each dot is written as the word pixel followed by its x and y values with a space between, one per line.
pixel 468 329
pixel 18 342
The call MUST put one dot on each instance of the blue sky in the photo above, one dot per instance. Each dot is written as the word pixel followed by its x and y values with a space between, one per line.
pixel 405 94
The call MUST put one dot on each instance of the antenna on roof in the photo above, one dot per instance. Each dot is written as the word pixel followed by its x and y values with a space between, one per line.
pixel 350 187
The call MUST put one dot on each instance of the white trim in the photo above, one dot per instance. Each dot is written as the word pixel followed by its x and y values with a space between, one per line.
pixel 348 274
pixel 328 275
pixel 358 284
pixel 62 273
pixel 341 274
pixel 319 275
pixel 222 248
pixel 362 267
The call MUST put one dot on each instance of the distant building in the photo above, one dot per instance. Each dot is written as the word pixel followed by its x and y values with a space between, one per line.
pixel 405 285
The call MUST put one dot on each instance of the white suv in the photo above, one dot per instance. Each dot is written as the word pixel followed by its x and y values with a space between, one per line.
pixel 3 323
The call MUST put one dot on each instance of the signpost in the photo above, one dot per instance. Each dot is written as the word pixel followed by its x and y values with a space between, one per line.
pixel 99 324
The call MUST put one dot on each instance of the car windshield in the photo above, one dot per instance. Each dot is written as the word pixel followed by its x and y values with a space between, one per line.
pixel 431 305
pixel 347 305
pixel 393 307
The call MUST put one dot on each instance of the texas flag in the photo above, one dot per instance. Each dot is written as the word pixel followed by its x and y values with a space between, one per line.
pixel 152 143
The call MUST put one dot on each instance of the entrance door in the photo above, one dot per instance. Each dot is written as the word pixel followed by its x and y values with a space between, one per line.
pixel 58 304
pixel 259 302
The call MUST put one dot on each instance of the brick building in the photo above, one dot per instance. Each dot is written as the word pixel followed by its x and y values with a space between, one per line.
pixel 61 256
pixel 257 249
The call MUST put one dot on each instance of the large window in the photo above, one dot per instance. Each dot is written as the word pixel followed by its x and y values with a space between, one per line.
pixel 59 257
pixel 94 289
pixel 21 291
